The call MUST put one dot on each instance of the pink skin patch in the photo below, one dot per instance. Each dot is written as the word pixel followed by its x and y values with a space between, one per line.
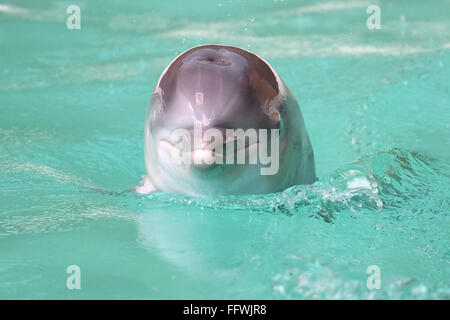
pixel 199 98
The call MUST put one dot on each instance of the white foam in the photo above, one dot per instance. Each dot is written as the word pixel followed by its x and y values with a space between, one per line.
pixel 6 8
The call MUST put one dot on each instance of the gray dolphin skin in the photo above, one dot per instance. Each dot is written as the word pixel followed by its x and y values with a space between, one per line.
pixel 224 88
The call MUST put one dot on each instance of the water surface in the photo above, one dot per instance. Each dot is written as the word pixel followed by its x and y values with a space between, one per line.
pixel 73 106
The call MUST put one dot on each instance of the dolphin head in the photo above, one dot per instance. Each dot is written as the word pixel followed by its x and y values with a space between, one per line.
pixel 201 97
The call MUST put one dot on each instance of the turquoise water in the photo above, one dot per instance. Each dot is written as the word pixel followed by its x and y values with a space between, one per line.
pixel 376 105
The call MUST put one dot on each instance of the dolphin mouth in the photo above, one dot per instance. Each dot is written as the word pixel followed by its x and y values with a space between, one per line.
pixel 227 139
pixel 207 158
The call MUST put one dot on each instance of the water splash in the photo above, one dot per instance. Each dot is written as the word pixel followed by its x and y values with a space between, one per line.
pixel 374 182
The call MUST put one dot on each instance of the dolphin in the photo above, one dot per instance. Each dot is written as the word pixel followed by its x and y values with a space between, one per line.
pixel 250 111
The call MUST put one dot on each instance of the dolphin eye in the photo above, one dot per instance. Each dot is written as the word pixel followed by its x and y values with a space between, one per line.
pixel 275 116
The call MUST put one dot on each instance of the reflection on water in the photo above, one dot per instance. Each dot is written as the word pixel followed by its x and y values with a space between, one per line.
pixel 224 241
